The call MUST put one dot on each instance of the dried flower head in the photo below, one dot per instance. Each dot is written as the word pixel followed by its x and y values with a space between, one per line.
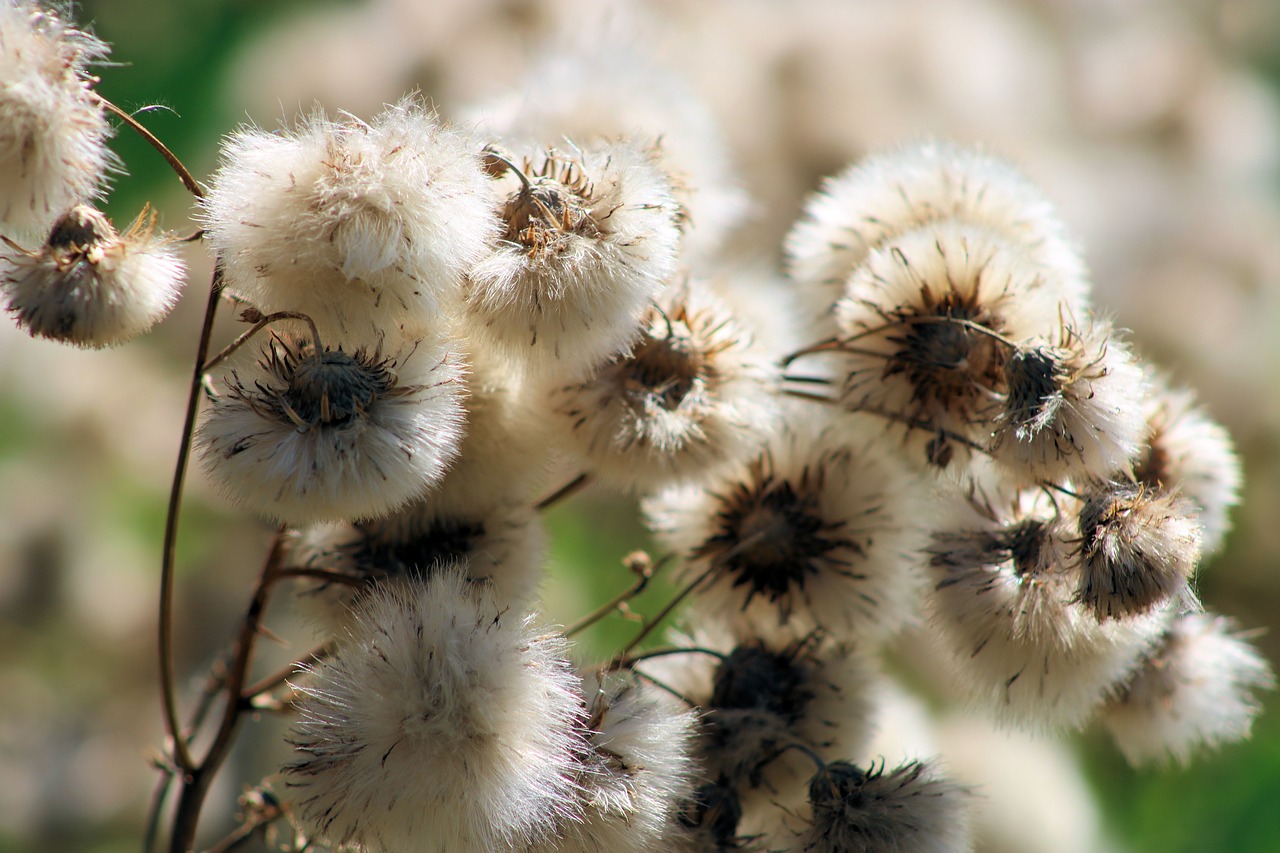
pixel 910 807
pixel 692 395
pixel 1005 607
pixel 443 723
pixel 925 326
pixel 636 773
pixel 869 205
pixel 502 550
pixel 812 533
pixel 304 436
pixel 53 130
pixel 1139 547
pixel 588 240
pixel 1071 408
pixel 709 821
pixel 366 227
pixel 89 285
pixel 1189 452
pixel 574 95
pixel 1195 690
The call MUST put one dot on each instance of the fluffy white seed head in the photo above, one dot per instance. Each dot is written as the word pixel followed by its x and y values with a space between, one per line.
pixel 366 227
pixel 89 285
pixel 303 436
pixel 1195 690
pixel 502 550
pixel 1139 548
pixel 1189 452
pixel 574 95
pixel 872 203
pixel 444 723
pixel 912 807
pixel 588 240
pixel 693 394
pixel 636 773
pixel 1005 609
pixel 1072 409
pixel 915 319
pixel 53 130
pixel 815 532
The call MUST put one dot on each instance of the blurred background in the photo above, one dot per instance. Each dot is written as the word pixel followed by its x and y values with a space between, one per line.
pixel 1155 126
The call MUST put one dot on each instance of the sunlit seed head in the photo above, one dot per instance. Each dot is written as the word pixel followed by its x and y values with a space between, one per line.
pixel 693 395
pixel 1185 450
pixel 1139 547
pixel 870 204
pixel 443 722
pixel 305 436
pixel 1072 408
pixel 53 130
pixel 588 240
pixel 810 533
pixel 1007 616
pixel 1196 690
pixel 89 285
pixel 367 227
pixel 925 325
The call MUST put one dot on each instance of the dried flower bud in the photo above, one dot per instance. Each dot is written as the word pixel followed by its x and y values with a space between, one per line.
pixel 1139 547
pixel 91 286
pixel 693 395
pixel 908 808
pixel 443 723
pixel 588 241
pixel 1005 608
pixel 306 436
pixel 53 130
pixel 925 324
pixel 1071 409
pixel 1195 690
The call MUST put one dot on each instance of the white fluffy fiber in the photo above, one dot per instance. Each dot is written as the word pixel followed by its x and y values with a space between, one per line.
pixel 694 394
pixel 822 482
pixel 885 196
pixel 367 227
pixel 389 451
pixel 1021 645
pixel 565 299
pixel 1196 691
pixel 444 723
pixel 53 132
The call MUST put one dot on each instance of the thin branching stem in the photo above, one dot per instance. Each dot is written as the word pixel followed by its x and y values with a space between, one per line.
pixel 261 324
pixel 567 490
pixel 631 661
pixel 641 583
pixel 195 785
pixel 281 675
pixel 181 752
pixel 188 180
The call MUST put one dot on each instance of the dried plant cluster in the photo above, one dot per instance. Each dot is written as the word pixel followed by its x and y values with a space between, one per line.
pixel 928 430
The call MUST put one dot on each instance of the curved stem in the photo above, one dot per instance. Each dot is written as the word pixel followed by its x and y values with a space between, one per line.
pixel 567 490
pixel 261 324
pixel 188 180
pixel 644 575
pixel 198 779
pixel 181 752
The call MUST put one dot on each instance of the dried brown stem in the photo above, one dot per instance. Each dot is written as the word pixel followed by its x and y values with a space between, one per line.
pixel 188 180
